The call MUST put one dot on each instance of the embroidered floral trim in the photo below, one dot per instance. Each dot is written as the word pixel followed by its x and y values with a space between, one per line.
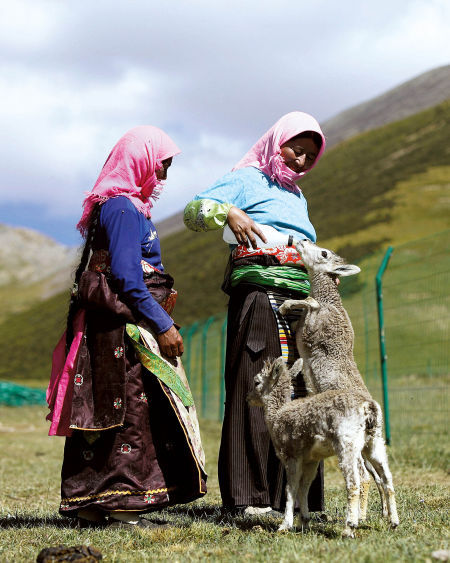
pixel 88 455
pixel 64 501
pixel 150 499
pixel 100 261
pixel 148 268
pixel 143 397
pixel 125 448
pixel 78 379
pixel 118 403
pixel 285 254
pixel 118 352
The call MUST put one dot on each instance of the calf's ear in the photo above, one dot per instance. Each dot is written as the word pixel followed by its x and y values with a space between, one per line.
pixel 279 365
pixel 346 270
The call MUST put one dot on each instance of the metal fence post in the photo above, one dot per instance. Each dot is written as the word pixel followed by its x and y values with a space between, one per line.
pixel 204 371
pixel 187 361
pixel 381 336
pixel 366 332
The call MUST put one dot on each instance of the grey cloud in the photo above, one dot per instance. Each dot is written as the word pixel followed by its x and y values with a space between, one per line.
pixel 222 71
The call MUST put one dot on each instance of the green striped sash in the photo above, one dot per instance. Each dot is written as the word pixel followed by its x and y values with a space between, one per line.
pixel 159 367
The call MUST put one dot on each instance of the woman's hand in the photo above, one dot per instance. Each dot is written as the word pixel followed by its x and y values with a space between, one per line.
pixel 170 343
pixel 244 228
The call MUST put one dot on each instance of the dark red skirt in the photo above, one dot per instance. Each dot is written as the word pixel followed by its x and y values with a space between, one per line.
pixel 143 465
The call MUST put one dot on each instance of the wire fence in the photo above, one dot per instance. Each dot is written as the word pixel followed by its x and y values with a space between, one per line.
pixel 416 323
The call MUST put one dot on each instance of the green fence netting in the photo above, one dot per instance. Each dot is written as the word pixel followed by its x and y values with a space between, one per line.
pixel 13 395
pixel 417 319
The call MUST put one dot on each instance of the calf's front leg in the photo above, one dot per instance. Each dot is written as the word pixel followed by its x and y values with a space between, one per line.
pixel 308 304
pixel 293 471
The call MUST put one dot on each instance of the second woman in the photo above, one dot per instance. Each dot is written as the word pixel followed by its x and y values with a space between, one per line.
pixel 260 192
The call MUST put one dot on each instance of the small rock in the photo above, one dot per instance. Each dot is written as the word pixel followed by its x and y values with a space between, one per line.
pixel 441 554
pixel 77 553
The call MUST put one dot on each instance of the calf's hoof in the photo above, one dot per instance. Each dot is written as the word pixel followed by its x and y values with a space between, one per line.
pixel 283 309
pixel 305 523
pixel 348 532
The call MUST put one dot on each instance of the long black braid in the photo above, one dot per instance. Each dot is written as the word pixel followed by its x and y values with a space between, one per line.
pixel 73 305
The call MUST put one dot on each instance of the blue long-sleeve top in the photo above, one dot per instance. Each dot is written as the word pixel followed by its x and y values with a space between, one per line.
pixel 130 237
pixel 263 200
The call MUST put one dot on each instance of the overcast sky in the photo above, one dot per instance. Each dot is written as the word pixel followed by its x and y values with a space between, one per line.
pixel 76 74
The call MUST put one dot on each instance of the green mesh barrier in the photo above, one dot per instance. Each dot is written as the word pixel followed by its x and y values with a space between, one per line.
pixel 416 305
pixel 13 395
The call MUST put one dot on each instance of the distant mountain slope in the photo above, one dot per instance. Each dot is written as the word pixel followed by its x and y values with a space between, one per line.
pixel 32 267
pixel 171 225
pixel 419 93
pixel 28 256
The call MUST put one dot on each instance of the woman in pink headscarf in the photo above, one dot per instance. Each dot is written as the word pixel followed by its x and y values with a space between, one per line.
pixel 118 391
pixel 263 209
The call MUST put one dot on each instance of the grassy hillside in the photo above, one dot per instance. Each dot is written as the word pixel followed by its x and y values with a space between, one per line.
pixel 384 187
pixel 19 297
pixel 27 340
pixel 197 261
pixel 387 185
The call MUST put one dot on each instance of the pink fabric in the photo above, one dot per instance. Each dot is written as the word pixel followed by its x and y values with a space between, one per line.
pixel 60 388
pixel 130 171
pixel 265 153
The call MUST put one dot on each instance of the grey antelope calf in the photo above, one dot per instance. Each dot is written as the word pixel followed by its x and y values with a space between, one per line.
pixel 345 423
pixel 324 339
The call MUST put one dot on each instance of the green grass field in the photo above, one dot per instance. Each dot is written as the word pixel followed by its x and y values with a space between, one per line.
pixel 30 468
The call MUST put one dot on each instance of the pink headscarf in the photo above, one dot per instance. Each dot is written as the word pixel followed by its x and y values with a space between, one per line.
pixel 130 171
pixel 265 153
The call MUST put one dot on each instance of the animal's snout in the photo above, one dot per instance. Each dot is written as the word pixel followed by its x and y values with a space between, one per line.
pixel 300 244
pixel 253 399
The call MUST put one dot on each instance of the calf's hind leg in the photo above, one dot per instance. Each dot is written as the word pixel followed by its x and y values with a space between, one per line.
pixel 379 484
pixel 377 456
pixel 364 479
pixel 348 457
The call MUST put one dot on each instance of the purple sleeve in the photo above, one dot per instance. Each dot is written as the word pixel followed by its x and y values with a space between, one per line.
pixel 123 235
